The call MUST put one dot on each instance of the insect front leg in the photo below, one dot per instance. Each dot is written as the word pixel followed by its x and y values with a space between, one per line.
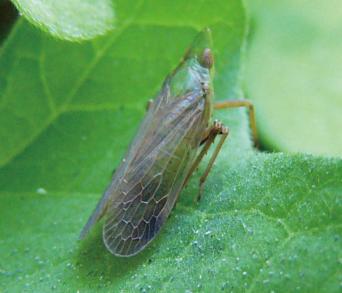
pixel 217 129
pixel 242 103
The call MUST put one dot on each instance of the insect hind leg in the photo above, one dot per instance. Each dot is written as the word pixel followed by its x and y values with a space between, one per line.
pixel 246 104
pixel 217 129
pixel 222 130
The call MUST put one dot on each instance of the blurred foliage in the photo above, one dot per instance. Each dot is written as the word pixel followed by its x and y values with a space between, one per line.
pixel 69 19
pixel 294 74
pixel 267 222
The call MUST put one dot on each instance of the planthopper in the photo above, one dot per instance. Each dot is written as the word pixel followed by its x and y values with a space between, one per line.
pixel 174 136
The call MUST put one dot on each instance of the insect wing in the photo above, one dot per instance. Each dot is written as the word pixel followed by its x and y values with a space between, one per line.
pixel 147 183
pixel 100 209
pixel 154 179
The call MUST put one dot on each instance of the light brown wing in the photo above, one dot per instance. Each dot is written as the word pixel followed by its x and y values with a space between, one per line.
pixel 149 190
pixel 147 183
pixel 146 125
pixel 163 116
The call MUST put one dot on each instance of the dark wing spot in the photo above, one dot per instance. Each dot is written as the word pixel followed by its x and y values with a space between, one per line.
pixel 159 206
pixel 137 245
pixel 149 210
pixel 152 227
pixel 146 234
pixel 139 214
pixel 135 234
pixel 141 229
pixel 134 245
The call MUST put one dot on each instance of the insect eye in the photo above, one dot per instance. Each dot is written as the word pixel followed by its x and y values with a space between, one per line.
pixel 207 58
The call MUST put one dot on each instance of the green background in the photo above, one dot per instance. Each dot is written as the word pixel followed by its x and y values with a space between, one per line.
pixel 267 221
pixel 293 74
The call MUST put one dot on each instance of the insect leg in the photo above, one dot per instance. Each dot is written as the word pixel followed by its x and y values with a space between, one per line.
pixel 242 103
pixel 208 140
pixel 220 130
pixel 207 134
pixel 216 129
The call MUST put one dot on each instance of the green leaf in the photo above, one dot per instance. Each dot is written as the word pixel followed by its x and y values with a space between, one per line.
pixel 45 78
pixel 294 74
pixel 266 221
pixel 69 19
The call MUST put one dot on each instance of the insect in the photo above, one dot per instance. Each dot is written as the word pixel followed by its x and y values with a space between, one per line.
pixel 173 138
